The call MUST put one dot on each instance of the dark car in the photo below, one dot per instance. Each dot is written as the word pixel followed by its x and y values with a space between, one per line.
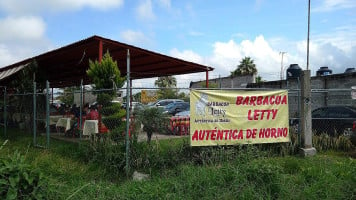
pixel 176 107
pixel 332 120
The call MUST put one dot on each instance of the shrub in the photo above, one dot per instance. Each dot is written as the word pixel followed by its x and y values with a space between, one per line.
pixel 18 180
pixel 153 120
pixel 325 142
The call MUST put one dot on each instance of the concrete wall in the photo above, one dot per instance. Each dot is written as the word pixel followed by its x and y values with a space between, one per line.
pixel 226 82
pixel 326 90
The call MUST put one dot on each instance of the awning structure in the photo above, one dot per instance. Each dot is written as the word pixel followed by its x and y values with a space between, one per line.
pixel 8 72
pixel 67 65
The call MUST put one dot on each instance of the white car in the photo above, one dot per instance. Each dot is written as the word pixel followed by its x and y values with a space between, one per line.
pixel 164 102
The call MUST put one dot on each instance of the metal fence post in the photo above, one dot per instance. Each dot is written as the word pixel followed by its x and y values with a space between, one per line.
pixel 128 114
pixel 47 112
pixel 34 114
pixel 5 113
pixel 80 110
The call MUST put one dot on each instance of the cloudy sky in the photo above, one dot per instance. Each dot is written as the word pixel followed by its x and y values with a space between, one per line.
pixel 218 33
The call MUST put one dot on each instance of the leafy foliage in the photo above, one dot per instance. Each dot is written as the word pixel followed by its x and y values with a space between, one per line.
pixel 166 82
pixel 105 73
pixel 30 73
pixel 18 180
pixel 166 85
pixel 210 84
pixel 153 120
pixel 113 121
pixel 179 171
pixel 246 66
pixel 67 96
pixel 258 79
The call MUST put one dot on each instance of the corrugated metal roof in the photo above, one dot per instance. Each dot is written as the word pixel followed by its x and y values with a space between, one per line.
pixel 67 65
pixel 10 71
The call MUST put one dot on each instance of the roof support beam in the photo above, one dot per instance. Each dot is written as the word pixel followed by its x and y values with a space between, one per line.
pixel 207 78
pixel 100 50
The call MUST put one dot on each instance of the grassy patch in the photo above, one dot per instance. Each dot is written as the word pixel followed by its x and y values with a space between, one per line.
pixel 178 171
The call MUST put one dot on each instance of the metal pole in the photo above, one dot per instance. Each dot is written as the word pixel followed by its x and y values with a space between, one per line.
pixel 128 113
pixel 5 113
pixel 282 53
pixel 308 34
pixel 207 78
pixel 34 114
pixel 47 112
pixel 80 109
pixel 219 81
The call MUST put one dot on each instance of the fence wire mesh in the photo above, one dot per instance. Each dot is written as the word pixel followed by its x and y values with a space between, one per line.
pixel 333 111
pixel 108 107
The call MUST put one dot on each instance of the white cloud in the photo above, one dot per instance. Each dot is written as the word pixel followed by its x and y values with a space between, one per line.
pixel 327 54
pixel 22 28
pixel 144 10
pixel 331 5
pixel 135 37
pixel 187 55
pixel 5 56
pixel 334 50
pixel 21 38
pixel 227 56
pixel 37 6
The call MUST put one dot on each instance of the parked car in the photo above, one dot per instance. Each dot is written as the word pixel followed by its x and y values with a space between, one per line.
pixel 134 105
pixel 332 120
pixel 183 114
pixel 163 102
pixel 176 107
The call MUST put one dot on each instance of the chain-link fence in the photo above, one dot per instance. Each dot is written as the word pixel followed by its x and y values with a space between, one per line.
pixel 72 112
pixel 333 111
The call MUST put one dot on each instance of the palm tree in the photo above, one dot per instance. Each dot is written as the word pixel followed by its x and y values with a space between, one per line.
pixel 166 82
pixel 245 67
pixel 166 85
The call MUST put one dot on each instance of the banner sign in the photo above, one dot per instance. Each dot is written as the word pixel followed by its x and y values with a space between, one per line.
pixel 226 117
pixel 148 96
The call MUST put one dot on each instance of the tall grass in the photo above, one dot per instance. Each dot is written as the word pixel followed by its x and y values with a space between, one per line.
pixel 178 171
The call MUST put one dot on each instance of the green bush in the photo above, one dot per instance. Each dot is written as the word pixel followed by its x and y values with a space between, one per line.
pixel 104 99
pixel 325 142
pixel 18 180
pixel 112 109
pixel 153 120
pixel 110 156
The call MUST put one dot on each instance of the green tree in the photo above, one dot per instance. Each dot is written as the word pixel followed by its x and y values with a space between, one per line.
pixel 166 82
pixel 24 84
pixel 67 96
pixel 167 85
pixel 246 67
pixel 105 74
pixel 210 85
pixel 258 79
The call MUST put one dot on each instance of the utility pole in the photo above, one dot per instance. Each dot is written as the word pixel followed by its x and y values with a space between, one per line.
pixel 305 117
pixel 282 53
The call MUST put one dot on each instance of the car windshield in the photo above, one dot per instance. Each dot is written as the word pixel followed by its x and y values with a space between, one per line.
pixel 169 106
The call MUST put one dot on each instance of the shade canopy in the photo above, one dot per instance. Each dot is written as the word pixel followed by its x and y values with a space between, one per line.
pixel 67 66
